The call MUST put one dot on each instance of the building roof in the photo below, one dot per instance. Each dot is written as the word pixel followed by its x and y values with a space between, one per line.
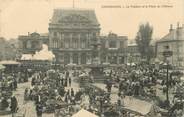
pixel 69 15
pixel 44 34
pixel 33 35
pixel 174 34
pixel 113 36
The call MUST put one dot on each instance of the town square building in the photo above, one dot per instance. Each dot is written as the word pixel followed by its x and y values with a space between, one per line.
pixel 29 44
pixel 113 49
pixel 174 40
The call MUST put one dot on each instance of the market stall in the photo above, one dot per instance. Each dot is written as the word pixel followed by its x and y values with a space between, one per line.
pixel 84 79
pixel 10 66
pixel 147 109
pixel 84 113
pixel 6 88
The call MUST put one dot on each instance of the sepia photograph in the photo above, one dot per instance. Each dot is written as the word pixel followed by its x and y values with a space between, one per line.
pixel 91 58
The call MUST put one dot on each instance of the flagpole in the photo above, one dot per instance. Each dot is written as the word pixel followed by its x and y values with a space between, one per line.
pixel 73 4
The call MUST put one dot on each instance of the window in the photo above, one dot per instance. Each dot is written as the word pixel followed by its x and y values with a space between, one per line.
pixel 34 44
pixel 24 44
pixel 83 41
pixel 61 43
pixel 75 40
pixel 55 44
pixel 66 43
pixel 112 44
pixel 67 40
pixel 121 44
pixel 55 34
pixel 28 44
pixel 166 47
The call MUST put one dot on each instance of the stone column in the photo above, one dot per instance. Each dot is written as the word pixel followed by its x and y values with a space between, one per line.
pixel 79 41
pixel 106 59
pixel 62 41
pixel 71 43
pixel 71 58
pixel 106 44
pixel 90 58
pixel 117 43
pixel 117 59
pixel 79 58
pixel 89 41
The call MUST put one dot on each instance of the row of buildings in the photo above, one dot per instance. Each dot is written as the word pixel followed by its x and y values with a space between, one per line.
pixel 74 37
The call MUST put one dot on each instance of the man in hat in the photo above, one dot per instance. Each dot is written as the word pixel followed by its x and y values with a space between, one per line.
pixel 69 81
pixel 39 110
pixel 14 105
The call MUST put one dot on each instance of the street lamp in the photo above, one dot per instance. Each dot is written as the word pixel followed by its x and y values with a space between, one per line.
pixel 54 60
pixel 167 53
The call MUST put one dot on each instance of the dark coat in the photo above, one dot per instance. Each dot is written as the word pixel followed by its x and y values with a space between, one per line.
pixel 39 109
pixel 14 104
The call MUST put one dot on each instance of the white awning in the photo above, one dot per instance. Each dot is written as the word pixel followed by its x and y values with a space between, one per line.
pixel 84 113
pixel 9 62
pixel 134 105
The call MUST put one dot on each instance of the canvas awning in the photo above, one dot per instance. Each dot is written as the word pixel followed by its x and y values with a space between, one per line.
pixel 71 64
pixel 84 113
pixel 84 75
pixel 9 62
pixel 134 106
pixel 2 66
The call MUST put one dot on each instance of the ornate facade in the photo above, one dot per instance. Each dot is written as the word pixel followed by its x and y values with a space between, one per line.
pixel 113 49
pixel 29 44
pixel 72 33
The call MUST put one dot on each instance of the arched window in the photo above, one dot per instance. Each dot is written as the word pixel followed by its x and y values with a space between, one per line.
pixel 83 41
pixel 75 58
pixel 67 41
pixel 74 40
pixel 83 58
pixel 66 58
pixel 55 43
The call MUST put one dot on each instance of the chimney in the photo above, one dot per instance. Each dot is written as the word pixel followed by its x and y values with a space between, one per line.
pixel 178 25
pixel 171 28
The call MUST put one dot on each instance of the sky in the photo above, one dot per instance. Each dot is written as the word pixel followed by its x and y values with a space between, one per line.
pixel 18 17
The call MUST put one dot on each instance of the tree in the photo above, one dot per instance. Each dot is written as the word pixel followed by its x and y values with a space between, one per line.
pixel 8 49
pixel 143 39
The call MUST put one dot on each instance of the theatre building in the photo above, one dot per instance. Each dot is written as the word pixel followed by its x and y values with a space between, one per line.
pixel 70 34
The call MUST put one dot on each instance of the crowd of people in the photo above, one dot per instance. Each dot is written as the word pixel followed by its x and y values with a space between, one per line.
pixel 53 90
pixel 147 82
pixel 8 85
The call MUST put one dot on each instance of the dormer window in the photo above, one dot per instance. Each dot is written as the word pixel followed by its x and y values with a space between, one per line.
pixel 166 47
pixel 112 44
